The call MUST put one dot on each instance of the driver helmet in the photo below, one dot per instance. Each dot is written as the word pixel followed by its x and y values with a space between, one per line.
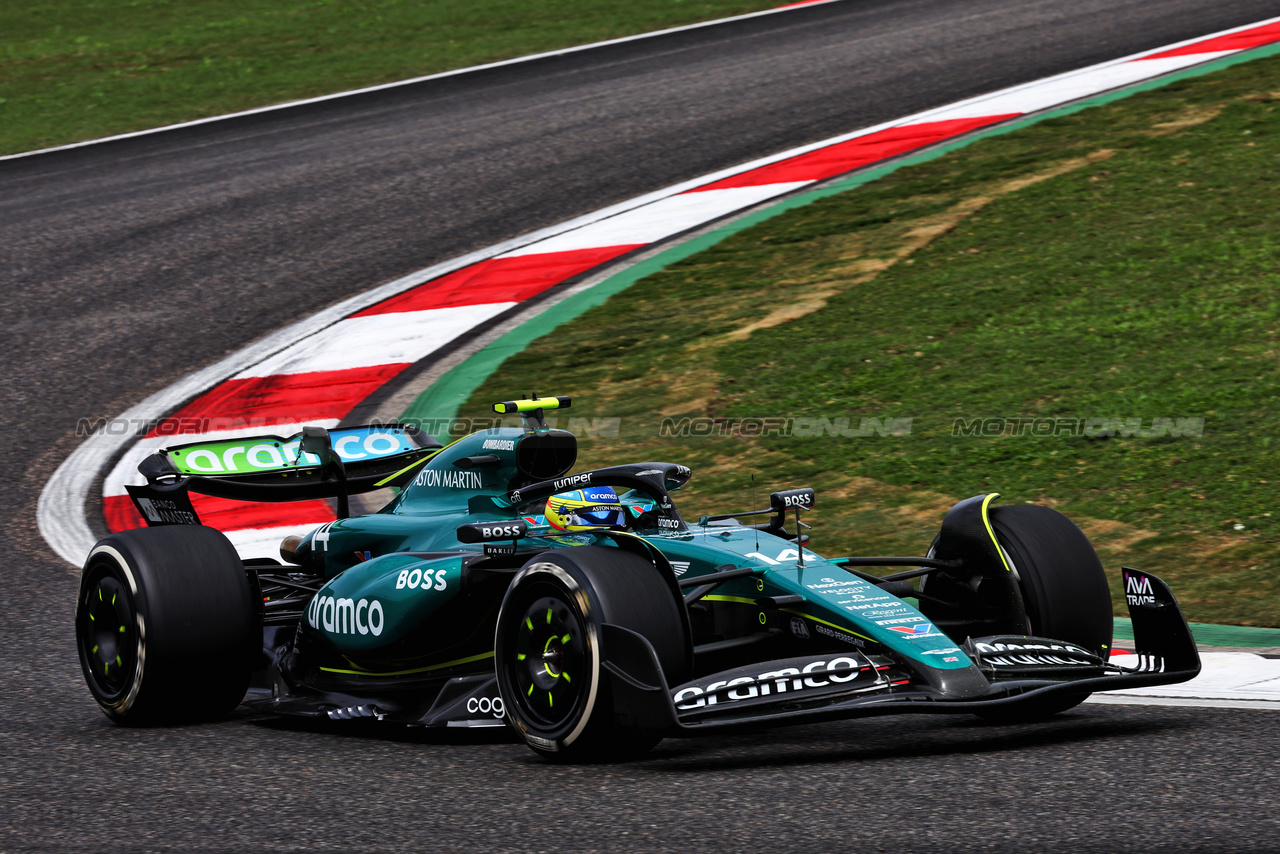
pixel 585 509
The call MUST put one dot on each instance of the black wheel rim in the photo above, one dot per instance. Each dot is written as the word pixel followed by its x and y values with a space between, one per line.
pixel 106 632
pixel 550 660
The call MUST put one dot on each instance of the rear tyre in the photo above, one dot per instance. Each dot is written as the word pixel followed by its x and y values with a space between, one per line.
pixel 548 656
pixel 166 625
pixel 1064 590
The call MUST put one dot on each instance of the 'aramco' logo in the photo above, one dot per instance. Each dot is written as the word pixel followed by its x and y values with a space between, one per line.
pixel 346 616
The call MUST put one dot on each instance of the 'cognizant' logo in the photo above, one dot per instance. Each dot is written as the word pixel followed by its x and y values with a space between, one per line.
pixel 486 706
pixel 346 616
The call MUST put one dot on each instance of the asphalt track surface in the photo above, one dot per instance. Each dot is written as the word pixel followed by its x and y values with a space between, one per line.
pixel 128 265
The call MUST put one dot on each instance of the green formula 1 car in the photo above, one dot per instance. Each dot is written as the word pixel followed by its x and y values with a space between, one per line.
pixel 584 610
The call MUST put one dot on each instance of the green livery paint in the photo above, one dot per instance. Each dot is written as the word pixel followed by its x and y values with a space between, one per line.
pixel 382 601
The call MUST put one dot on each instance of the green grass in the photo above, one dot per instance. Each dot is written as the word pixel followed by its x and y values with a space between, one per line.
pixel 78 69
pixel 1135 277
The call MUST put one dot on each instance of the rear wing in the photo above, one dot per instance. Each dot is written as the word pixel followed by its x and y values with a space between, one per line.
pixel 314 463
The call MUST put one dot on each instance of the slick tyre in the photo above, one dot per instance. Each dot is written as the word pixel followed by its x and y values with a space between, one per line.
pixel 548 655
pixel 1064 590
pixel 166 625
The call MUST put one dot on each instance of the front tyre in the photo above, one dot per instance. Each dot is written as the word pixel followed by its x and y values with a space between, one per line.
pixel 166 627
pixel 1064 587
pixel 1064 590
pixel 548 653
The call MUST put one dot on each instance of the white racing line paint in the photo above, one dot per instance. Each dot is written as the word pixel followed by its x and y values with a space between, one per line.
pixel 414 80
pixel 1228 680
pixel 374 335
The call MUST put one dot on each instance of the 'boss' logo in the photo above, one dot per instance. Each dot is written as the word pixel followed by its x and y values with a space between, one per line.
pixel 792 498
pixel 416 579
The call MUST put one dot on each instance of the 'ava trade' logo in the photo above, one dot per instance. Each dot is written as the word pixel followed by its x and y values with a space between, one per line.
pixel 1137 590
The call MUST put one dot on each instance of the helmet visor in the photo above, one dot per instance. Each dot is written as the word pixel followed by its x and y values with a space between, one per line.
pixel 606 516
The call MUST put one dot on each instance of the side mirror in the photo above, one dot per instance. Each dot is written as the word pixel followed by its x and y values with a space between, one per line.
pixel 791 499
pixel 487 532
pixel 492 533
pixel 781 502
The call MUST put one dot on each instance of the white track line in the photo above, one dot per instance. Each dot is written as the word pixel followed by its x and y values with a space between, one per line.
pixel 1228 680
pixel 1118 699
pixel 288 105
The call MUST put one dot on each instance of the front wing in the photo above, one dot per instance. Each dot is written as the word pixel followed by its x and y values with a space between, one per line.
pixel 1007 672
